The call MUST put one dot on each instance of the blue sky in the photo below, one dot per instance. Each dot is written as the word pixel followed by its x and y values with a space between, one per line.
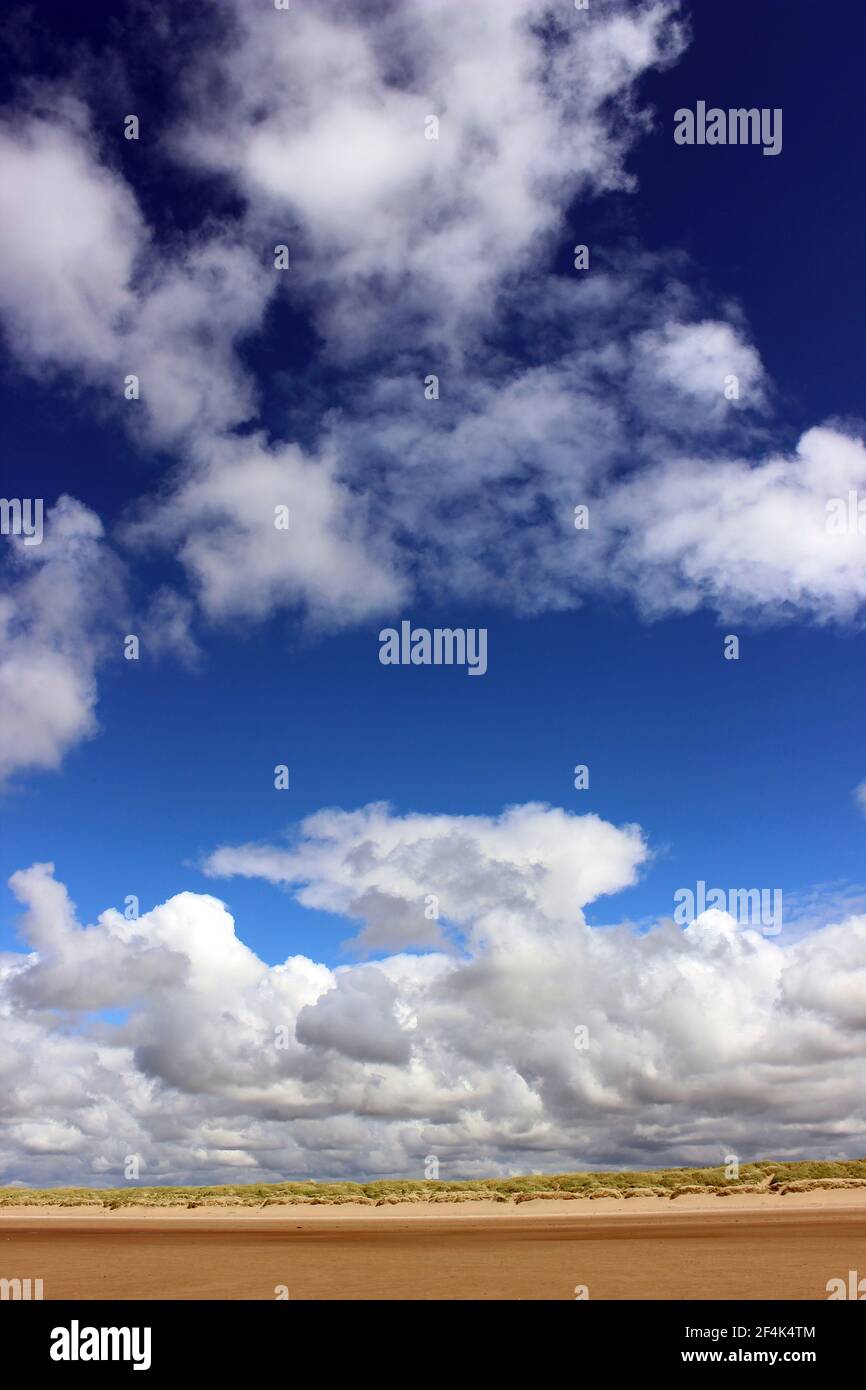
pixel 723 766
pixel 556 389
pixel 729 768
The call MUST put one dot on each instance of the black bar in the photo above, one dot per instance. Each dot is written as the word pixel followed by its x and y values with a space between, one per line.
pixel 250 1337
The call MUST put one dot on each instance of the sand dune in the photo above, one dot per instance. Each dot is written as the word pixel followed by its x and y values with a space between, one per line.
pixel 827 1199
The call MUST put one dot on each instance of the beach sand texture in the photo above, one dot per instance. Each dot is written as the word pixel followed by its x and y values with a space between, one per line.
pixel 746 1247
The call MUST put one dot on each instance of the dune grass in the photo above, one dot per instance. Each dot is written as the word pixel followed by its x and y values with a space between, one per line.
pixel 763 1176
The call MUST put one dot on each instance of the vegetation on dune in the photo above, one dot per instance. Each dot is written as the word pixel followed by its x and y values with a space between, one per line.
pixel 763 1176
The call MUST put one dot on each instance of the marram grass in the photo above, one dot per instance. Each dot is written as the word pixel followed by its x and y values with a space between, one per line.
pixel 763 1176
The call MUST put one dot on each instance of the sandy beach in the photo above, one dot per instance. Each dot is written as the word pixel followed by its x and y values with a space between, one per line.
pixel 696 1247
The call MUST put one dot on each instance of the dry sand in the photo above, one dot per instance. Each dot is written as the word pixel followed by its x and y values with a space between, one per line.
pixel 697 1247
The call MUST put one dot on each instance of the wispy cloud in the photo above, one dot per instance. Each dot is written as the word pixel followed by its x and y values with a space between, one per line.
pixel 619 388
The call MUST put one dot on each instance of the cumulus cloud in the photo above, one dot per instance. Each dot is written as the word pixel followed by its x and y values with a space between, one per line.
pixel 708 1039
pixel 744 538
pixel 357 1019
pixel 55 617
pixel 533 857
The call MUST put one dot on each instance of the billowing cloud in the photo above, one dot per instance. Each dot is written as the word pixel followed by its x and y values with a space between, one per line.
pixel 772 540
pixel 465 868
pixel 527 1040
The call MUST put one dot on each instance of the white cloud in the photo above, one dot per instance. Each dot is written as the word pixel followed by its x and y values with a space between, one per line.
pixel 532 857
pixel 322 126
pixel 54 621
pixel 713 1039
pixel 485 479
pixel 85 288
pixel 679 361
pixel 70 232
pixel 744 538
pixel 605 388
pixel 222 519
